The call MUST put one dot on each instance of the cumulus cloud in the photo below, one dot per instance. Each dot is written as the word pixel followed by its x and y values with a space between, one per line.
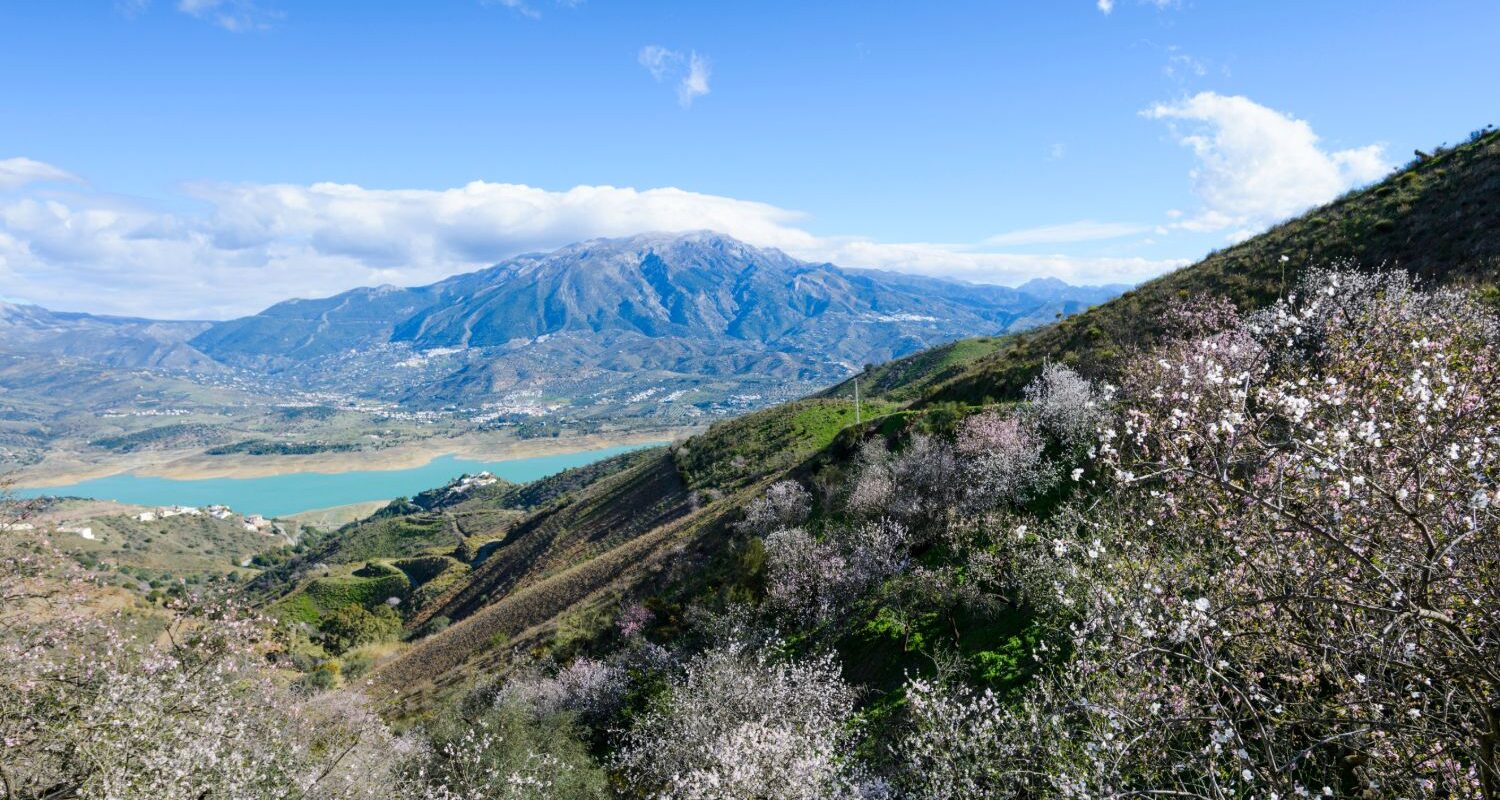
pixel 18 172
pixel 1106 6
pixel 231 15
pixel 257 244
pixel 689 70
pixel 1256 166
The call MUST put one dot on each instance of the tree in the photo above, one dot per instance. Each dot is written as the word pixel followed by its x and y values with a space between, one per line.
pixel 1284 582
pixel 738 723
pixel 91 709
pixel 783 505
pixel 815 580
pixel 503 753
pixel 1333 463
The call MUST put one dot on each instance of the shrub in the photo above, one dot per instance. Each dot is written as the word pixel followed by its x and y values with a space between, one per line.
pixel 1064 405
pixel 353 626
pixel 739 723
pixel 503 754
pixel 783 505
pixel 815 580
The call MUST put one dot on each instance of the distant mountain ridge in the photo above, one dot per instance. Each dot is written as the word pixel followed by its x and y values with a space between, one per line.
pixel 110 341
pixel 697 286
pixel 637 311
pixel 608 327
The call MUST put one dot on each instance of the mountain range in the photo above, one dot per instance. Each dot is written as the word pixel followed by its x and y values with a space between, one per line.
pixel 127 342
pixel 655 311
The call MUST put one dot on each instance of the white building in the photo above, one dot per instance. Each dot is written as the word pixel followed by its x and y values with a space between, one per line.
pixel 82 530
pixel 255 522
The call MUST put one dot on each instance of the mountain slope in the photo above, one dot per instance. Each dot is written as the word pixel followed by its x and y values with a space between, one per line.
pixel 651 310
pixel 297 330
pixel 124 342
pixel 563 573
pixel 1437 218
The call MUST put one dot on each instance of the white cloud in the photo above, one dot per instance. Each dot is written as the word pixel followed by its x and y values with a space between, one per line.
pixel 1057 151
pixel 1106 6
pixel 520 7
pixel 695 82
pixel 691 71
pixel 1083 231
pixel 231 15
pixel 17 172
pixel 968 263
pixel 1256 165
pixel 657 59
pixel 257 244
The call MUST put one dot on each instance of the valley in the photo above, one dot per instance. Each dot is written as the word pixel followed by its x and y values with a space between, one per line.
pixel 564 400
pixel 280 492
pixel 604 342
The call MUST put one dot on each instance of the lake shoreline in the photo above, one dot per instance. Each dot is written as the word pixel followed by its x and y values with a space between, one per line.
pixel 289 493
pixel 189 466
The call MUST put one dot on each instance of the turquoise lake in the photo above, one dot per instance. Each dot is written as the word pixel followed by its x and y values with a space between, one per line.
pixel 280 495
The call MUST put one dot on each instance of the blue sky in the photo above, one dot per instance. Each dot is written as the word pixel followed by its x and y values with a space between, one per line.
pixel 202 159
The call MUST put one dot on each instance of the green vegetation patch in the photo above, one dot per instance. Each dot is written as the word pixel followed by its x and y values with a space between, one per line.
pixel 368 586
pixel 266 447
pixel 732 454
pixel 904 379
pixel 182 434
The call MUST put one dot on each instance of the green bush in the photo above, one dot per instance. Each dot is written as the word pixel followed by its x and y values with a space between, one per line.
pixel 428 628
pixel 352 626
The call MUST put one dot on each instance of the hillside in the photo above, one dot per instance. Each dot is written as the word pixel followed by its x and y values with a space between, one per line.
pixel 1437 218
pixel 108 341
pixel 662 530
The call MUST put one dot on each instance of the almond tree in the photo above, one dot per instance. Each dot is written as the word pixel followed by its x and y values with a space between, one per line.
pixel 1310 598
pixel 739 723
pixel 1284 584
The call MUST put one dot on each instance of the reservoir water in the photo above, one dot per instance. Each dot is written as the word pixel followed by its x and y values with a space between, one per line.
pixel 280 495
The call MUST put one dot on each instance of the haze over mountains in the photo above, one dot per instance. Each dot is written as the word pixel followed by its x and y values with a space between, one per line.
pixel 643 310
pixel 108 341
